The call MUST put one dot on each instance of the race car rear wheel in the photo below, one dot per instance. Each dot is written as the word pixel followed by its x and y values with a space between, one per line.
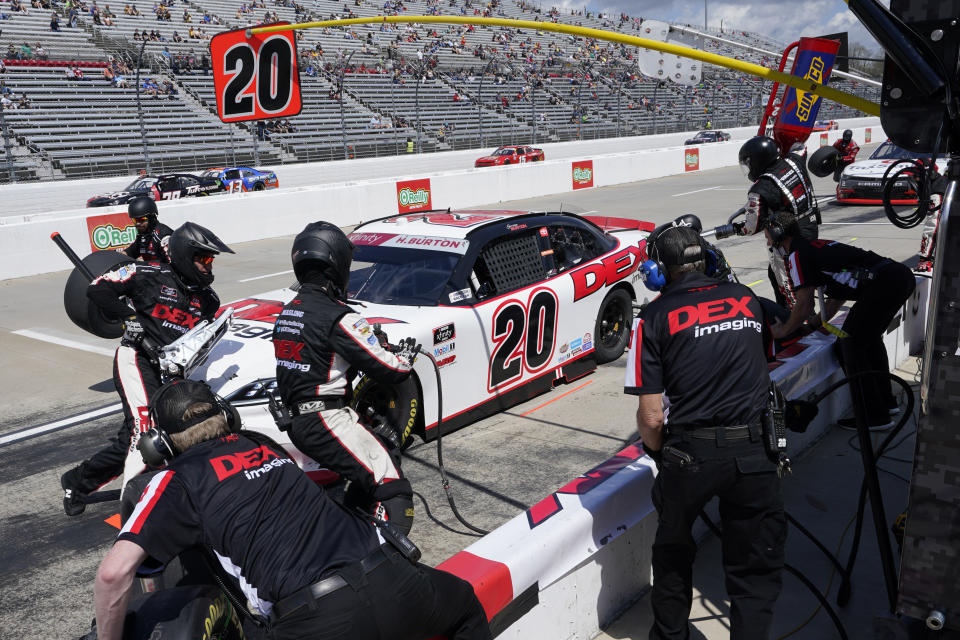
pixel 183 613
pixel 84 313
pixel 398 404
pixel 258 186
pixel 612 329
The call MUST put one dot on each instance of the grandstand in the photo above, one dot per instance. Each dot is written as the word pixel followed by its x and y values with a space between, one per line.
pixel 367 90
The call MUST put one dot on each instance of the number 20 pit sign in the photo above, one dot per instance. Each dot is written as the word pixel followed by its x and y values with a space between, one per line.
pixel 257 77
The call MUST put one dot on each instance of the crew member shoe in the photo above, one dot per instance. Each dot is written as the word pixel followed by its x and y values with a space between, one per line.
pixel 850 424
pixel 73 502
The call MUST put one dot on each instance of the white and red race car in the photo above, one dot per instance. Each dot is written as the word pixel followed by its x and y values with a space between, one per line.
pixel 506 303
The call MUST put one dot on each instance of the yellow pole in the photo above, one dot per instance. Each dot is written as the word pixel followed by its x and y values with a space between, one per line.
pixel 856 102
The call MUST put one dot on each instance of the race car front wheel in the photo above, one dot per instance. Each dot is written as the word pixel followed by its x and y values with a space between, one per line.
pixel 397 404
pixel 612 329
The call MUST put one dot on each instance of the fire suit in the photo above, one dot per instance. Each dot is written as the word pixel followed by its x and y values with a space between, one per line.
pixel 320 343
pixel 152 245
pixel 784 186
pixel 166 309
pixel 848 155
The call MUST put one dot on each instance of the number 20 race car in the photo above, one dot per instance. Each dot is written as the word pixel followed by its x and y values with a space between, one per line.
pixel 506 304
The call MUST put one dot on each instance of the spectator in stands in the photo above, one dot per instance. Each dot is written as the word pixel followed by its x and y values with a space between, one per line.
pixel 126 10
pixel 6 103
pixel 120 82
pixel 41 53
pixel 24 103
pixel 69 75
pixel 136 35
pixel 16 6
pixel 410 145
pixel 177 37
pixel 165 52
pixel 169 89
pixel 192 34
pixel 109 74
pixel 186 16
pixel 3 69
pixel 54 21
pixel 72 17
pixel 77 71
pixel 134 11
pixel 26 53
pixel 149 87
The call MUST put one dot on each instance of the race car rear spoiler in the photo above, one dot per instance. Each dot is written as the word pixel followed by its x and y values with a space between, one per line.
pixel 620 224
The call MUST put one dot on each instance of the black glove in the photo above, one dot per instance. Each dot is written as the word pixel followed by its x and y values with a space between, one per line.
pixel 132 330
pixel 381 336
pixel 409 348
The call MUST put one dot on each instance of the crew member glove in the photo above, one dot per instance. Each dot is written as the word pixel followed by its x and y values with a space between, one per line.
pixel 132 330
pixel 409 348
pixel 381 336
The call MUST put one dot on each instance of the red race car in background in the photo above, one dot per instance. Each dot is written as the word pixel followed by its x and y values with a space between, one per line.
pixel 510 155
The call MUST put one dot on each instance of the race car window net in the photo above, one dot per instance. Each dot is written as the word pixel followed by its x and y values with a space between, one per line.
pixel 140 184
pixel 231 175
pixel 391 275
pixel 513 263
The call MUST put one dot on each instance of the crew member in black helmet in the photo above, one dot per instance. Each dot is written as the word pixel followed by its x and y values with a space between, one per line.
pixel 712 443
pixel 848 153
pixel 779 184
pixel 320 343
pixel 150 245
pixel 165 301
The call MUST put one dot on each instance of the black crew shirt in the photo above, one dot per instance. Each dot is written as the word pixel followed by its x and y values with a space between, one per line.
pixel 270 526
pixel 839 268
pixel 702 343
pixel 151 246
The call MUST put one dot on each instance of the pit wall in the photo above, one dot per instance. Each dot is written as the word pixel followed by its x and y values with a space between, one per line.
pixel 27 249
pixel 573 562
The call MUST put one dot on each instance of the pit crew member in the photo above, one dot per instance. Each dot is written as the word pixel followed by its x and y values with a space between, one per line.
pixel 309 566
pixel 879 286
pixel 320 343
pixel 153 236
pixel 848 153
pixel 779 184
pixel 165 301
pixel 712 444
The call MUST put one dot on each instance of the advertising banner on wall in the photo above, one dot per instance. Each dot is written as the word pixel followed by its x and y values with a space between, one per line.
pixel 413 195
pixel 582 172
pixel 691 159
pixel 112 231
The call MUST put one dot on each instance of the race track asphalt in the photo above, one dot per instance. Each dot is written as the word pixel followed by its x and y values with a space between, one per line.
pixel 498 466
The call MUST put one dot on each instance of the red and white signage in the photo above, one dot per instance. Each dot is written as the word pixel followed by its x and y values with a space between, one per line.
pixel 111 231
pixel 823 140
pixel 413 195
pixel 256 77
pixel 582 173
pixel 867 134
pixel 691 159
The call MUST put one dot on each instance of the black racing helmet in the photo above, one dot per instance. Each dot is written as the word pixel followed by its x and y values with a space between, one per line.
pixel 187 241
pixel 756 154
pixel 142 206
pixel 847 135
pixel 689 220
pixel 322 247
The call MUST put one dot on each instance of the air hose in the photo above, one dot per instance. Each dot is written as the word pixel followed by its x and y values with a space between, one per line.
pixel 913 169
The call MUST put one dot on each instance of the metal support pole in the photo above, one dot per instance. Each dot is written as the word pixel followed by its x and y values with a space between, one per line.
pixel 8 148
pixel 533 106
pixel 619 96
pixel 737 100
pixel 256 148
pixel 143 129
pixel 416 98
pixel 579 113
pixel 655 88
pixel 343 126
pixel 483 73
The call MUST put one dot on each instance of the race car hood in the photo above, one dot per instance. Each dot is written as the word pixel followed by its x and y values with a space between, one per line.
pixel 487 159
pixel 874 169
pixel 245 355
pixel 119 194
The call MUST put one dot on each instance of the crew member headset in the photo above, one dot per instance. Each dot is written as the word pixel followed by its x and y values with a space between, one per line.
pixel 155 445
pixel 655 273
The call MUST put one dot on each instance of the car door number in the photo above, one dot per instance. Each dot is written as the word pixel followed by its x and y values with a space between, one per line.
pixel 171 195
pixel 523 337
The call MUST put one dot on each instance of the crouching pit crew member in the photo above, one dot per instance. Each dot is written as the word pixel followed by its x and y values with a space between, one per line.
pixel 320 343
pixel 879 286
pixel 308 566
pixel 167 300
pixel 712 444
pixel 151 243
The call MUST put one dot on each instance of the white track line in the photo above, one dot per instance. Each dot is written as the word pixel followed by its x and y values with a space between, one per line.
pixel 31 432
pixel 65 342
pixel 687 193
pixel 269 275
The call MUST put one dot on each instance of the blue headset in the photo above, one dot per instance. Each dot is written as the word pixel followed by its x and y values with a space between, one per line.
pixel 655 273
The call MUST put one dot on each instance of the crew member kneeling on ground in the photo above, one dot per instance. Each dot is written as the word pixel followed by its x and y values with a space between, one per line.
pixel 848 153
pixel 310 567
pixel 879 286
pixel 779 184
pixel 153 237
pixel 713 442
pixel 320 343
pixel 167 300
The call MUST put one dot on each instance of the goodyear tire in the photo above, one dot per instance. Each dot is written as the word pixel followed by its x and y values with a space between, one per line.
pixel 182 613
pixel 823 161
pixel 258 186
pixel 398 403
pixel 612 329
pixel 84 313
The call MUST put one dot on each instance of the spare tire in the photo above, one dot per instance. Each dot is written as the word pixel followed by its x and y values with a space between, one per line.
pixel 823 162
pixel 183 613
pixel 84 313
pixel 398 404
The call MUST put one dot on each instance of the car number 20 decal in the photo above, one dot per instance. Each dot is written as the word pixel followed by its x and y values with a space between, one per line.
pixel 255 77
pixel 523 337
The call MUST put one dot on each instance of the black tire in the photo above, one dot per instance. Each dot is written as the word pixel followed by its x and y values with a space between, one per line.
pixel 612 329
pixel 258 187
pixel 182 613
pixel 399 404
pixel 81 311
pixel 823 161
